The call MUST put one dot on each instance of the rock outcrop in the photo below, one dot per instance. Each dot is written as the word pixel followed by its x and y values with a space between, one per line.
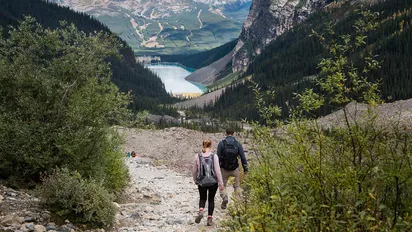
pixel 266 21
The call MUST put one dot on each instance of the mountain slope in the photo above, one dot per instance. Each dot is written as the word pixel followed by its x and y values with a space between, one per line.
pixel 285 62
pixel 267 20
pixel 168 26
pixel 209 74
pixel 146 87
pixel 201 59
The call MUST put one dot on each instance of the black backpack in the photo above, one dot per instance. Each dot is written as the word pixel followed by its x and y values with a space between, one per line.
pixel 207 176
pixel 230 153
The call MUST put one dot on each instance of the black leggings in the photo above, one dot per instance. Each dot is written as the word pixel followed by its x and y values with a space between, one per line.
pixel 204 197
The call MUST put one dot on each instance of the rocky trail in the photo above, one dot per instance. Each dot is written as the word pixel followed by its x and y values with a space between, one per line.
pixel 159 199
pixel 161 195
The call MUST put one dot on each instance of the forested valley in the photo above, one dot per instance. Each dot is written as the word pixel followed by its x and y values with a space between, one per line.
pixel 147 89
pixel 201 59
pixel 289 64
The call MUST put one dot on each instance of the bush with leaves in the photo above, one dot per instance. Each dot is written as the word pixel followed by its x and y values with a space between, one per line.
pixel 80 200
pixel 310 176
pixel 57 104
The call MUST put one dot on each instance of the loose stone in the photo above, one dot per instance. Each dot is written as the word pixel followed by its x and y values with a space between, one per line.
pixel 39 228
pixel 30 226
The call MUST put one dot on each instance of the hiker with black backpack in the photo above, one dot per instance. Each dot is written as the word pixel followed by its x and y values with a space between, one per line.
pixel 228 151
pixel 207 176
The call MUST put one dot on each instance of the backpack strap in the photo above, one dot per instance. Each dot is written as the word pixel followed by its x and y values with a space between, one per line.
pixel 200 164
pixel 212 165
pixel 224 147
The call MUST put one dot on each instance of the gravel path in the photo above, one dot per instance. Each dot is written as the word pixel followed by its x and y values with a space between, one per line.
pixel 160 199
pixel 162 195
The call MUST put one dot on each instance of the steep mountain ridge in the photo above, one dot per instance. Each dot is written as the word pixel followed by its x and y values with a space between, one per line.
pixel 286 61
pixel 267 20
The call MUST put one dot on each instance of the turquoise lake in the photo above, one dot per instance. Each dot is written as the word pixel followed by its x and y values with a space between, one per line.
pixel 173 76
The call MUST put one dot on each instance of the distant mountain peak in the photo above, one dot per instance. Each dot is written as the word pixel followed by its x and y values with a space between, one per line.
pixel 267 20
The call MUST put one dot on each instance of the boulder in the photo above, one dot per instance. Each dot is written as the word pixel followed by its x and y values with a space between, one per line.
pixel 12 219
pixel 30 226
pixel 51 226
pixel 29 219
pixel 64 228
pixel 116 205
pixel 39 228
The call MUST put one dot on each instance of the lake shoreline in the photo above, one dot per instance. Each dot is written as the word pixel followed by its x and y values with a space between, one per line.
pixel 173 77
pixel 174 64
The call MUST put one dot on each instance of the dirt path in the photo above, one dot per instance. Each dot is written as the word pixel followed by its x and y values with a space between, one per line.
pixel 161 195
pixel 161 200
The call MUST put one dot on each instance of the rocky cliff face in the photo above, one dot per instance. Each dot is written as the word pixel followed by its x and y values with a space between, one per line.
pixel 266 21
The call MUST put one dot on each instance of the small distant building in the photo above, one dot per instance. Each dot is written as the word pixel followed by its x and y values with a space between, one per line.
pixel 147 59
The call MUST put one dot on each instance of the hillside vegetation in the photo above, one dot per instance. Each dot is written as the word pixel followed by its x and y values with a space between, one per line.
pixel 147 89
pixel 57 109
pixel 354 175
pixel 289 64
pixel 201 59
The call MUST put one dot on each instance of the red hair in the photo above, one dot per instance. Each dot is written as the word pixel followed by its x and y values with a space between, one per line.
pixel 206 144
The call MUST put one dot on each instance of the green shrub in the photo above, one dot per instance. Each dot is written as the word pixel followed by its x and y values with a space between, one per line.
pixel 80 200
pixel 57 104
pixel 308 176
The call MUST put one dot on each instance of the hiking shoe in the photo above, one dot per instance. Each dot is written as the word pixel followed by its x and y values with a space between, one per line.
pixel 224 204
pixel 209 221
pixel 199 216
